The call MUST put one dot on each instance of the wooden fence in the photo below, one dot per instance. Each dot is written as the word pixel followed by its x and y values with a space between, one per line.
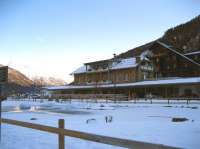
pixel 61 132
pixel 120 101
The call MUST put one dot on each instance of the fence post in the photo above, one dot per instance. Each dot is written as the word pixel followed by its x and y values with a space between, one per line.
pixel 61 138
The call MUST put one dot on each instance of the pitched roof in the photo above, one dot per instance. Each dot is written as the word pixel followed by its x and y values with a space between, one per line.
pixel 178 53
pixel 80 70
pixel 131 62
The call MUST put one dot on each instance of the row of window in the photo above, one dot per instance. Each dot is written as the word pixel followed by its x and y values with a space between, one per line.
pixel 121 77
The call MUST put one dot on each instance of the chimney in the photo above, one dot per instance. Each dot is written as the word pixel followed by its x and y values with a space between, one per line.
pixel 114 55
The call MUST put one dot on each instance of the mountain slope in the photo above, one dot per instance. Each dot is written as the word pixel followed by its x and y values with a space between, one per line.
pixel 20 83
pixel 185 37
pixel 51 81
pixel 16 77
pixel 17 82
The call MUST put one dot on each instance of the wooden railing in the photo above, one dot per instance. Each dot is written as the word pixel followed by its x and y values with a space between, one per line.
pixel 89 96
pixel 61 132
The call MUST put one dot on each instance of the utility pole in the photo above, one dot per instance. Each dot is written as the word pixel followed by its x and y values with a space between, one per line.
pixel 3 82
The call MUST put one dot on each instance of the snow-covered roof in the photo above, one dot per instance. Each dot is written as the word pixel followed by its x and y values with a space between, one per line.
pixel 125 63
pixel 170 81
pixel 122 64
pixel 81 69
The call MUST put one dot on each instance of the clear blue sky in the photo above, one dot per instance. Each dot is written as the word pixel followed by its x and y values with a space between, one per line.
pixel 54 37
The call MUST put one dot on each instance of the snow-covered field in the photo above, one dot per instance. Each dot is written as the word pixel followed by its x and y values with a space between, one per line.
pixel 141 121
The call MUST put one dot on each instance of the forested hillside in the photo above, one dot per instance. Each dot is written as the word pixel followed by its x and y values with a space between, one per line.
pixel 185 37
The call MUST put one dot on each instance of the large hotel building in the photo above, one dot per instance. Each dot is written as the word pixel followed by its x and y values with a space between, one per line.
pixel 160 70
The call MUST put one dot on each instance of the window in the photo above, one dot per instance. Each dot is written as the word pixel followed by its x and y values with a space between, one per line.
pixel 174 66
pixel 145 75
pixel 188 92
pixel 168 67
pixel 157 60
pixel 126 77
pixel 117 78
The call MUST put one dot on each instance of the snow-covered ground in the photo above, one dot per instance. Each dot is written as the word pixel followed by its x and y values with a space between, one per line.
pixel 141 121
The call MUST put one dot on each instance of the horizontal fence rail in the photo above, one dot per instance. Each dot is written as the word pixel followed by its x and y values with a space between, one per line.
pixel 110 100
pixel 86 136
